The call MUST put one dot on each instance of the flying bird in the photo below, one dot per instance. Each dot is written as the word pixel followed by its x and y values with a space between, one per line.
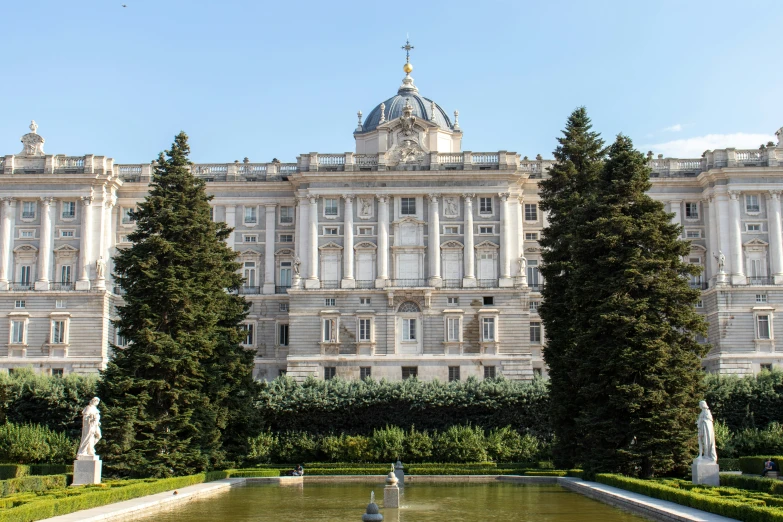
pixel 123 5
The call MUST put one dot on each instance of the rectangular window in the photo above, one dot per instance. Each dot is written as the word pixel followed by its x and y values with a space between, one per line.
pixel 691 210
pixel 60 303
pixel 693 234
pixel 487 230
pixel 365 372
pixel 57 372
pixel 283 307
pixel 451 229
pixel 25 272
pixel 489 300
pixel 488 329
pixel 489 372
pixel 28 209
pixel 531 212
pixel 286 215
pixel 27 234
pixel 409 329
pixel 19 303
pixel 330 335
pixel 330 231
pixel 17 332
pixel 365 231
pixel 330 207
pixel 531 236
pixel 699 304
pixel 452 300
pixel 485 205
pixel 408 206
pixel 364 329
pixel 65 274
pixel 212 213
pixel 753 227
pixel 364 300
pixel 329 301
pixel 329 372
pixel 410 372
pixel 247 238
pixel 124 239
pixel 762 327
pixel 247 329
pixel 286 238
pixel 69 210
pixel 534 306
pixel 250 215
pixel 752 203
pixel 122 341
pixel 282 335
pixel 760 298
pixel 453 373
pixel 58 332
pixel 66 233
pixel 766 367
pixel 127 218
pixel 535 332
pixel 452 329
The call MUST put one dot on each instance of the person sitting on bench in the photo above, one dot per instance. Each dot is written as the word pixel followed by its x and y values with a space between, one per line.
pixel 769 466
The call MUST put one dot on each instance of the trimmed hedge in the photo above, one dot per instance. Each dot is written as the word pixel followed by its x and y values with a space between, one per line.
pixel 729 464
pixel 38 483
pixel 61 502
pixel 753 483
pixel 746 509
pixel 9 471
pixel 547 473
pixel 253 473
pixel 755 465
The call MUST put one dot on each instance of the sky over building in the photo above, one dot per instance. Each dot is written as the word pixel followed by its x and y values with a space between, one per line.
pixel 277 79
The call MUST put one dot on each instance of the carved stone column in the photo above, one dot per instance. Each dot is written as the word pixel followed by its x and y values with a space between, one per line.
pixel 433 243
pixel 6 240
pixel 713 238
pixel 468 254
pixel 775 236
pixel 735 238
pixel 312 276
pixel 302 238
pixel 505 243
pixel 520 218
pixel 269 250
pixel 383 241
pixel 85 252
pixel 675 207
pixel 348 254
pixel 231 222
pixel 45 251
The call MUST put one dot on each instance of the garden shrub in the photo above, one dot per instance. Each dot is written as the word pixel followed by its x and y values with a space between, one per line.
pixel 418 446
pixel 50 469
pixel 294 447
pixel 507 445
pixel 9 471
pixel 388 444
pixel 261 448
pixel 755 465
pixel 27 443
pixel 461 444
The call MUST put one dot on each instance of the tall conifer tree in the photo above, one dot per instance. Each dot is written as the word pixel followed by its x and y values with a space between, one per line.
pixel 572 178
pixel 179 398
pixel 634 326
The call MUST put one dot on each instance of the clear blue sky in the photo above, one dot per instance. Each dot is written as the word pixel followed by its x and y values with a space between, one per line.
pixel 276 79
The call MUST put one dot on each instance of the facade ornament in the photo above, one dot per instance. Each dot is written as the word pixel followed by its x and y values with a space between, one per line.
pixel 383 113
pixel 408 120
pixel 297 265
pixel 503 196
pixel 100 268
pixel 433 197
pixel 383 198
pixel 706 434
pixel 456 119
pixel 734 194
pixel 468 197
pixel 522 265
pixel 775 194
pixel 721 259
pixel 365 207
pixel 347 197
pixel 33 143
pixel 432 111
pixel 47 200
pixel 312 199
pixel 779 134
pixel 408 152
pixel 87 200
pixel 450 207
pixel 359 127
pixel 91 429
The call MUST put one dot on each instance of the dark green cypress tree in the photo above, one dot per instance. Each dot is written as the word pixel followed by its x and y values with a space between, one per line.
pixel 634 326
pixel 571 179
pixel 179 398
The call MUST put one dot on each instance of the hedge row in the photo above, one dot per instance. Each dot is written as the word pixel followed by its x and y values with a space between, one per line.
pixel 25 484
pixel 729 464
pixel 747 510
pixel 253 473
pixel 8 471
pixel 61 502
pixel 755 465
pixel 753 483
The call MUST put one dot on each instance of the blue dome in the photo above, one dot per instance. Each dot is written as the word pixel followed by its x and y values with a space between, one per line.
pixel 422 108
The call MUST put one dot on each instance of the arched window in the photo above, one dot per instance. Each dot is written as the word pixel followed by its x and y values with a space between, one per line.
pixel 409 307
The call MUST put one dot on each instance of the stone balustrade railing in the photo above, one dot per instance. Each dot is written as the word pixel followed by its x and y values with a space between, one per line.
pixel 56 163
pixel 721 158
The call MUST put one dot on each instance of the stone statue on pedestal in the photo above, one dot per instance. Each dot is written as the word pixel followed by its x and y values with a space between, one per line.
pixel 705 466
pixel 100 268
pixel 87 466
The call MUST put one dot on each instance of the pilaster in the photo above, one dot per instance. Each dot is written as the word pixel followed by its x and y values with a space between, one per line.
pixel 505 243
pixel 468 254
pixel 6 240
pixel 312 276
pixel 775 236
pixel 735 239
pixel 348 253
pixel 383 241
pixel 433 241
pixel 85 250
pixel 269 249
pixel 45 251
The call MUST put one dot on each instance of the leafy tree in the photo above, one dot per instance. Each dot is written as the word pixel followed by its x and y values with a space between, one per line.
pixel 564 194
pixel 179 398
pixel 634 326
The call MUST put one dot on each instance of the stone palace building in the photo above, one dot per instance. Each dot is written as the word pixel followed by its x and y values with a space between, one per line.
pixel 408 257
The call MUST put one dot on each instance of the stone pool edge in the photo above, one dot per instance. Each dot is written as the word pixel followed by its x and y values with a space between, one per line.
pixel 647 507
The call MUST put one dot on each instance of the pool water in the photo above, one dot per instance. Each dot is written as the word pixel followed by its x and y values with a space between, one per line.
pixel 347 502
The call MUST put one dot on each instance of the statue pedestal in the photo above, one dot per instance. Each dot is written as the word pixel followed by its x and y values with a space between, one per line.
pixel 391 497
pixel 705 472
pixel 87 470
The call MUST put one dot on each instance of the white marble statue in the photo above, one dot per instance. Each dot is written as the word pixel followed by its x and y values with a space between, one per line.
pixel 706 434
pixel 721 261
pixel 365 209
pixel 297 265
pixel 100 268
pixel 91 429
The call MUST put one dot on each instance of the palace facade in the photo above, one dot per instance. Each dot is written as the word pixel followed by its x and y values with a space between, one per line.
pixel 408 257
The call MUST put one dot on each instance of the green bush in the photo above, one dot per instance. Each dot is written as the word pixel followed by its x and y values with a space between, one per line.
pixel 418 446
pixel 261 448
pixel 31 483
pixel 507 445
pixel 294 447
pixel 729 464
pixel 388 444
pixel 461 444
pixel 28 443
pixel 9 471
pixel 251 473
pixel 755 465
pixel 752 483
pixel 546 473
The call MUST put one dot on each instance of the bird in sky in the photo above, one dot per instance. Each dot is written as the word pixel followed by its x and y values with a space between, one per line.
pixel 123 5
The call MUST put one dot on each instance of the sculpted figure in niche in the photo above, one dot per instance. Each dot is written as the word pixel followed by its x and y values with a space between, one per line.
pixel 365 208
pixel 522 265
pixel 706 434
pixel 721 260
pixel 451 206
pixel 100 268
pixel 297 264
pixel 91 429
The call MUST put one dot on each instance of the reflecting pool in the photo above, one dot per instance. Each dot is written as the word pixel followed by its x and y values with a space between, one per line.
pixel 346 502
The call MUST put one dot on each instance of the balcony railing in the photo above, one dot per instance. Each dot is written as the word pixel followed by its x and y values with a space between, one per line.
pixel 60 286
pixel 487 283
pixel 28 215
pixel 452 283
pixel 282 289
pixel 365 283
pixel 407 283
pixel 535 287
pixel 699 285
pixel 21 286
pixel 330 284
pixel 249 290
pixel 759 281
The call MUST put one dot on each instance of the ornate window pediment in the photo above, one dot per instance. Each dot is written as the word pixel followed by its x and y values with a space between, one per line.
pixel 452 245
pixel 488 244
pixel 698 248
pixel 285 252
pixel 409 219
pixel 330 246
pixel 365 245
pixel 26 249
pixel 248 254
pixel 755 242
